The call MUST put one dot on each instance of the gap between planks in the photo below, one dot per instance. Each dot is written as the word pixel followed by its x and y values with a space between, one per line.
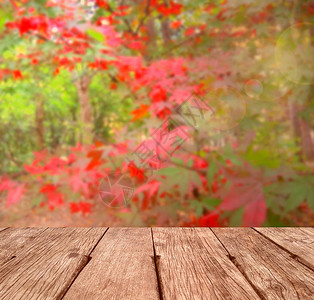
pixel 193 262
pixel 122 267
pixel 156 261
pixel 273 276
pixel 51 258
pixel 234 261
pixel 89 258
pixel 306 260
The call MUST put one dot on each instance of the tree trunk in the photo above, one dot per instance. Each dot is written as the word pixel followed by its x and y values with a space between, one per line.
pixel 39 120
pixel 302 132
pixel 307 143
pixel 151 35
pixel 166 32
pixel 85 109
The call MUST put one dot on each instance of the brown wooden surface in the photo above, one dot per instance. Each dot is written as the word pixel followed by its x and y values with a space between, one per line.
pixel 13 241
pixel 45 268
pixel 298 241
pixel 157 263
pixel 122 267
pixel 200 265
pixel 271 270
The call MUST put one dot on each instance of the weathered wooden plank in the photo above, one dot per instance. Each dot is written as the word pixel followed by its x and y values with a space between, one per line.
pixel 122 267
pixel 270 269
pixel 48 266
pixel 14 240
pixel 194 265
pixel 298 241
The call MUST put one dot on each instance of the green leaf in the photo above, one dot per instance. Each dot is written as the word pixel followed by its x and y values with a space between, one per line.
pixel 96 35
pixel 198 206
pixel 169 172
pixel 262 158
pixel 296 197
pixel 213 168
pixel 177 160
pixel 299 190
pixel 36 201
pixel 273 220
pixel 211 203
pixel 195 178
pixel 236 217
pixel 234 158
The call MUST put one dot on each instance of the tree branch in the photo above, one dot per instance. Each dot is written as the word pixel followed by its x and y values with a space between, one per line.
pixel 147 13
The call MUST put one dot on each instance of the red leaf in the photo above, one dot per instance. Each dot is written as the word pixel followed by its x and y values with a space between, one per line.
pixel 113 86
pixel 17 74
pixel 56 72
pixel 255 212
pixel 140 113
pixel 172 9
pixel 151 187
pixel 77 183
pixel 136 172
pixel 14 194
pixel 74 207
pixel 54 198
pixel 158 94
pixel 247 191
pixel 96 159
pixel 189 31
pixel 93 163
pixel 48 188
pixel 83 207
pixel 102 3
pixel 209 220
pixel 175 24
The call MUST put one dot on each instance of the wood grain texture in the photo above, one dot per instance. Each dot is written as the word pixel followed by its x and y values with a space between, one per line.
pixel 48 265
pixel 122 267
pixel 194 265
pixel 270 269
pixel 298 241
pixel 15 240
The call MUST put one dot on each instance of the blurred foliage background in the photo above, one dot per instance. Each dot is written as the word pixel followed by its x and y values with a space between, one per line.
pixel 82 83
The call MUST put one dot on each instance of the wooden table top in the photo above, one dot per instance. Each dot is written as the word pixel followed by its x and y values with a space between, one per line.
pixel 156 263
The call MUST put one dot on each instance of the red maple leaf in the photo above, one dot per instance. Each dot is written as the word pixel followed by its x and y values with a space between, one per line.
pixel 140 112
pixel 158 94
pixel 247 191
pixel 102 3
pixel 54 197
pixel 83 207
pixel 136 172
pixel 77 183
pixel 172 9
pixel 14 193
pixel 17 74
pixel 175 24
pixel 74 207
pixel 209 220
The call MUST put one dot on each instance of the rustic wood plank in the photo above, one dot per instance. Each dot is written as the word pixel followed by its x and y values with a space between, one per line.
pixel 14 240
pixel 194 265
pixel 48 266
pixel 269 268
pixel 298 241
pixel 122 267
